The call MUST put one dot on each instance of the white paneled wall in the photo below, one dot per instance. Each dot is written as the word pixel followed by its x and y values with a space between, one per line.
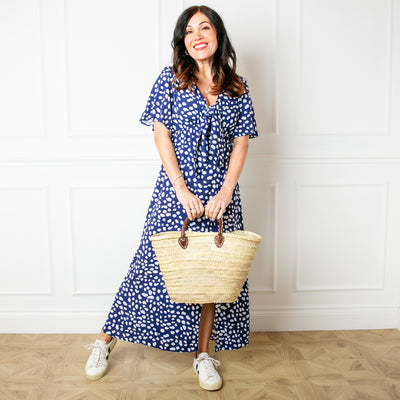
pixel 321 183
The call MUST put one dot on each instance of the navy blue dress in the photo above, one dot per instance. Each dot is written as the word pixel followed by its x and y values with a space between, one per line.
pixel 202 136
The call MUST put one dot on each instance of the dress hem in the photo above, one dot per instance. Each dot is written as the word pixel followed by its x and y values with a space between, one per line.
pixel 190 350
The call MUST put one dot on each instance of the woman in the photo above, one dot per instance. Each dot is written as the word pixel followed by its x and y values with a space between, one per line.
pixel 202 117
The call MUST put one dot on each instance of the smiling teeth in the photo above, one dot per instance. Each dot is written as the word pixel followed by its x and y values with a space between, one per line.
pixel 200 46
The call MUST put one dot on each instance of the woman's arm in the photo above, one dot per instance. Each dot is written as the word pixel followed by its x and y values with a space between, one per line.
pixel 191 203
pixel 216 206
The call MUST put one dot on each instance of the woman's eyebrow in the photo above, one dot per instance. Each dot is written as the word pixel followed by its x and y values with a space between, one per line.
pixel 204 22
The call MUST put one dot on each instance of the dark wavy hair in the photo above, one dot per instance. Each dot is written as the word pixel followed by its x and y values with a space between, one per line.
pixel 224 62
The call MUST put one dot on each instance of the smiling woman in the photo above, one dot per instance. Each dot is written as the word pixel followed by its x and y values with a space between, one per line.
pixel 202 117
pixel 204 54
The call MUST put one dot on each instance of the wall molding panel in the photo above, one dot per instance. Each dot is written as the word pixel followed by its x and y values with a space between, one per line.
pixel 26 258
pixel 264 269
pixel 365 19
pixel 24 23
pixel 108 114
pixel 325 204
pixel 96 234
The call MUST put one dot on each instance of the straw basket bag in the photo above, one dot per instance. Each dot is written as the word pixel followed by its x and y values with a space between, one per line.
pixel 205 267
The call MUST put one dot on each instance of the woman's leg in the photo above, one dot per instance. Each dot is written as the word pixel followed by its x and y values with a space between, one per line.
pixel 205 327
pixel 209 378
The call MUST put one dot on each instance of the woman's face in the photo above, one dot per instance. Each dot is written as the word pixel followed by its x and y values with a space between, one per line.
pixel 201 38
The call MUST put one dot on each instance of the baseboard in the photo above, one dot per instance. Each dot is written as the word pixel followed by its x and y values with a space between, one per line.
pixel 306 319
pixel 46 321
pixel 277 319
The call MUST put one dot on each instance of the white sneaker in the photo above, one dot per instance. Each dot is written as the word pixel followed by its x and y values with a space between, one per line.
pixel 97 364
pixel 204 366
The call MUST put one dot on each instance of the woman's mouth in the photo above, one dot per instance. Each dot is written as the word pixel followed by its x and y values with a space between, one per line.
pixel 200 46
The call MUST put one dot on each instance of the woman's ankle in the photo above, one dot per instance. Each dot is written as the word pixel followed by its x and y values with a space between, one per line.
pixel 105 337
pixel 200 351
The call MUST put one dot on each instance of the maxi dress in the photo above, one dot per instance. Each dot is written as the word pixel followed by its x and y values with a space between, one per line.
pixel 202 137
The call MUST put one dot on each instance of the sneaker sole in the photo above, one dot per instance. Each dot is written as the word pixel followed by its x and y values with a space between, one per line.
pixel 207 386
pixel 102 373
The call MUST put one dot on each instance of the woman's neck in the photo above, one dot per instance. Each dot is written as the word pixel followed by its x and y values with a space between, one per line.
pixel 205 70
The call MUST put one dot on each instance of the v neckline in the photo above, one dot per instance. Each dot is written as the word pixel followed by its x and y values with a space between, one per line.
pixel 204 98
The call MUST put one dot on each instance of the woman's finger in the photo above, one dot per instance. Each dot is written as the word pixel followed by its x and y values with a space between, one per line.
pixel 196 207
pixel 199 208
pixel 221 213
pixel 208 210
pixel 195 213
pixel 214 212
pixel 191 211
pixel 221 210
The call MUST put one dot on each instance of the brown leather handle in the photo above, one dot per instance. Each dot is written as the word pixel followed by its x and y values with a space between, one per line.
pixel 184 240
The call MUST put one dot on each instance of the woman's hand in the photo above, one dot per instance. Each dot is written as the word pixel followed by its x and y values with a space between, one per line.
pixel 191 203
pixel 216 206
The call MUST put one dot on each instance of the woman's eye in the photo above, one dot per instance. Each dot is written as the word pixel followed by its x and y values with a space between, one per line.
pixel 206 27
pixel 188 32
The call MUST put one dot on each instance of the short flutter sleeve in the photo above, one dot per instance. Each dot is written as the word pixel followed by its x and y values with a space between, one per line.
pixel 246 124
pixel 159 103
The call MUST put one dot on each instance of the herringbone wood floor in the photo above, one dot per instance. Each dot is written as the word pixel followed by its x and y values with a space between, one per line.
pixel 337 365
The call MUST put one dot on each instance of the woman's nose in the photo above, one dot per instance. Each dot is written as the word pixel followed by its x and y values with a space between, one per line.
pixel 198 35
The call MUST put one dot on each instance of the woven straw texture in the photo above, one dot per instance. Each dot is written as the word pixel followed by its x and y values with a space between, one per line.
pixel 203 273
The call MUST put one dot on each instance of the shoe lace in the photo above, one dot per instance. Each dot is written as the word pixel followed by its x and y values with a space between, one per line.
pixel 209 363
pixel 98 355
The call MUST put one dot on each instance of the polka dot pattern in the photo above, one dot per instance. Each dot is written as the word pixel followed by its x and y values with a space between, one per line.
pixel 202 136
